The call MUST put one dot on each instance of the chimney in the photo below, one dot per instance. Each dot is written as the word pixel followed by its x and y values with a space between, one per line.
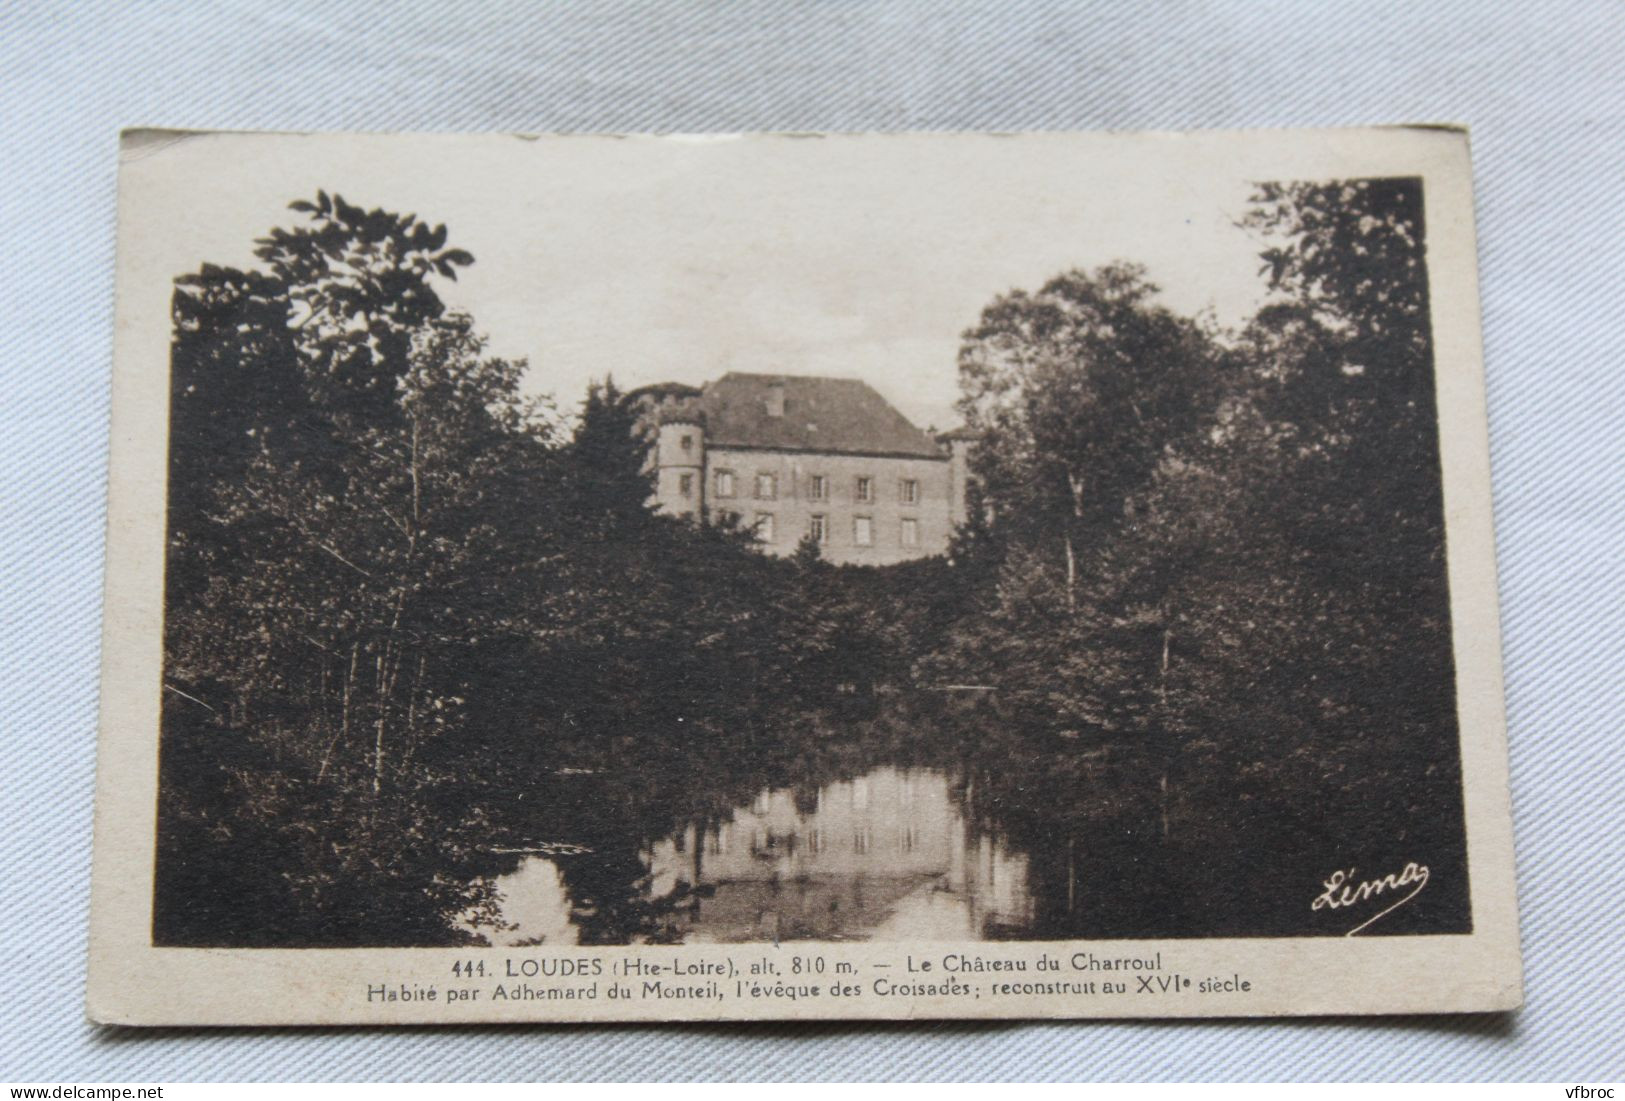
pixel 775 399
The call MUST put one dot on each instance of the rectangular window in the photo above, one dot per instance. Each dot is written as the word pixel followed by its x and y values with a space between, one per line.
pixel 764 526
pixel 818 528
pixel 863 531
pixel 688 443
pixel 685 484
pixel 866 488
pixel 908 491
pixel 767 487
pixel 819 490
pixel 911 532
pixel 725 483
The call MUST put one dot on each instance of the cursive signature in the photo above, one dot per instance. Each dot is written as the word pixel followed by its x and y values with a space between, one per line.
pixel 1341 890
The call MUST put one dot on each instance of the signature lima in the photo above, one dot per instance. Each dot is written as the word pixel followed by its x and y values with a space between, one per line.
pixel 1342 890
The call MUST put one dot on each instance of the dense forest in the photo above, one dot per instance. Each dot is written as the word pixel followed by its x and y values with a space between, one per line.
pixel 399 590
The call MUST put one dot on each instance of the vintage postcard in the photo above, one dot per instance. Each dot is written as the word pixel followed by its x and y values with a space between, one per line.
pixel 789 576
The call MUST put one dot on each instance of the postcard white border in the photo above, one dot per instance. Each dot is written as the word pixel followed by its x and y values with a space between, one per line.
pixel 131 982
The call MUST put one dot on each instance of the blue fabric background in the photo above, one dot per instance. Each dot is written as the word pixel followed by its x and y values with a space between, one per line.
pixel 1542 85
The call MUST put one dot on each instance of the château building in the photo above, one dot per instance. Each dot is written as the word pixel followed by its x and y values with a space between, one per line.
pixel 790 456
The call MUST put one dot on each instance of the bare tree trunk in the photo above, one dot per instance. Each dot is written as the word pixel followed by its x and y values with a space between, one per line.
pixel 386 674
pixel 1162 692
pixel 378 740
pixel 344 715
pixel 411 718
pixel 1075 483
pixel 1071 875
pixel 1071 575
pixel 417 490
pixel 1167 638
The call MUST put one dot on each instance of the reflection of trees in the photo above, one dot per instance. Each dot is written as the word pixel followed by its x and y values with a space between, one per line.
pixel 1097 863
pixel 1112 854
pixel 1101 848
pixel 664 788
pixel 684 791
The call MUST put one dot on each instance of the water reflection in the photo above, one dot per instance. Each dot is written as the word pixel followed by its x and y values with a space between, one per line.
pixel 886 855
pixel 536 901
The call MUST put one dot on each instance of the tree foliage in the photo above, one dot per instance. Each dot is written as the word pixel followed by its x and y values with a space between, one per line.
pixel 1077 392
pixel 399 590
pixel 395 582
pixel 1228 546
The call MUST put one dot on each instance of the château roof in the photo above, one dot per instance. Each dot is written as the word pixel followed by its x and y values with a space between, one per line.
pixel 819 414
pixel 657 392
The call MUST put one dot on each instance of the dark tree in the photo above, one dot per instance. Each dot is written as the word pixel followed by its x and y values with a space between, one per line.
pixel 1077 393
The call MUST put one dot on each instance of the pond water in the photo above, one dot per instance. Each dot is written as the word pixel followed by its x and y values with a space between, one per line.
pixel 911 828
pixel 890 854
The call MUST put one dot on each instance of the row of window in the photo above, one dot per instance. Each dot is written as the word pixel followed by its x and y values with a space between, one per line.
pixel 818 526
pixel 767 487
pixel 905 838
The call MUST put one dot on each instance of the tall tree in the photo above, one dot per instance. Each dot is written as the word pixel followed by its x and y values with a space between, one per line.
pixel 1077 392
pixel 344 464
pixel 1345 360
pixel 610 481
pixel 359 286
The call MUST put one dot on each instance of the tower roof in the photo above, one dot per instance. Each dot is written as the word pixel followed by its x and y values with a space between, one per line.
pixel 819 414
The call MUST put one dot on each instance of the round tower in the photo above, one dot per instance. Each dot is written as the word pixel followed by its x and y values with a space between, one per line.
pixel 680 463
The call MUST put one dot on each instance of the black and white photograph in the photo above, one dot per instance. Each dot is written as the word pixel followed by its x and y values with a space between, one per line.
pixel 457 652
pixel 917 542
pixel 812 542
